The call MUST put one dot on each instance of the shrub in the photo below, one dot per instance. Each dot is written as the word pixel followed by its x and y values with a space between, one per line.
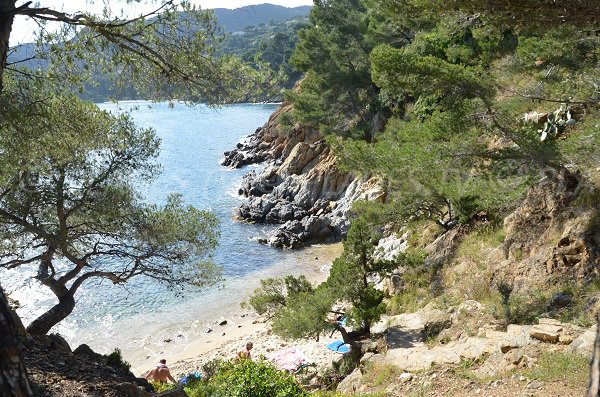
pixel 523 308
pixel 160 387
pixel 505 289
pixel 115 359
pixel 247 378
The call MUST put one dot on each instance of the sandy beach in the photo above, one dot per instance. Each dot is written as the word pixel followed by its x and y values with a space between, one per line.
pixel 227 340
pixel 224 341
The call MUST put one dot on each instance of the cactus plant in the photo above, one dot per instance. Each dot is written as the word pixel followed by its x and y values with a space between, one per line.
pixel 556 123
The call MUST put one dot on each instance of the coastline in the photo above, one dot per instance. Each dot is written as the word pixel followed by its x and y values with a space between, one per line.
pixel 223 341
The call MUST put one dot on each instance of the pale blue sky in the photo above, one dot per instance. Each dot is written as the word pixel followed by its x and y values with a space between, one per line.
pixel 23 28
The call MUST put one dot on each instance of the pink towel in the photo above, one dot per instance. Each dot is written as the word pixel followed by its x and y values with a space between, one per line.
pixel 289 359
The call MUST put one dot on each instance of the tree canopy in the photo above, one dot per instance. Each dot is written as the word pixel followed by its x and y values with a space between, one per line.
pixel 439 93
pixel 299 310
pixel 168 52
pixel 337 94
pixel 69 204
pixel 458 106
pixel 69 175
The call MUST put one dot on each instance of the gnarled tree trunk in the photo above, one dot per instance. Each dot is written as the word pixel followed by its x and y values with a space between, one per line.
pixel 60 311
pixel 7 15
pixel 594 385
pixel 13 376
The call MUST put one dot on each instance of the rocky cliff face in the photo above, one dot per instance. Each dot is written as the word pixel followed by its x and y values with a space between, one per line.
pixel 301 188
pixel 457 351
pixel 553 235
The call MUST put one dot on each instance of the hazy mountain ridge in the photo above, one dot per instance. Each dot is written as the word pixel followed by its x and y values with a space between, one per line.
pixel 230 20
pixel 238 19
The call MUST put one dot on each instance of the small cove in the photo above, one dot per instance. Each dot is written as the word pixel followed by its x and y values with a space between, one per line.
pixel 142 316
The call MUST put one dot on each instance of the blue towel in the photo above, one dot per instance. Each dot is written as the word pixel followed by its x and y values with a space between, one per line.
pixel 339 346
pixel 191 376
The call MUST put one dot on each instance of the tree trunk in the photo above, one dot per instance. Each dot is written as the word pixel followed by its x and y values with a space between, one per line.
pixel 594 384
pixel 13 376
pixel 346 338
pixel 6 20
pixel 42 324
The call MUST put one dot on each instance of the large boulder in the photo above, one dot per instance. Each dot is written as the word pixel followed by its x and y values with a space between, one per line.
pixel 546 332
pixel 584 344
pixel 553 331
pixel 351 383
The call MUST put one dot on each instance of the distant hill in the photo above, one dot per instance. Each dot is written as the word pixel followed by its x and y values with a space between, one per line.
pixel 240 18
pixel 267 30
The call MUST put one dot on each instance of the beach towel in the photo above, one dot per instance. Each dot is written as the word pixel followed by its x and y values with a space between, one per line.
pixel 339 346
pixel 289 359
pixel 192 376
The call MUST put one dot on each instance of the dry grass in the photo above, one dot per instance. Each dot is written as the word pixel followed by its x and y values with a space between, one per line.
pixel 380 376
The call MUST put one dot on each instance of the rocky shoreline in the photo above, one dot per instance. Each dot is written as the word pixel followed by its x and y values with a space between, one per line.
pixel 301 187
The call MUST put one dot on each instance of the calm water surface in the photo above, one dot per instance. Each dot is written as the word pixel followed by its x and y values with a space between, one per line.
pixel 140 316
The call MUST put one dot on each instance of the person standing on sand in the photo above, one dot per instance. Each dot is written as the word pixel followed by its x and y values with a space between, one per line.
pixel 161 373
pixel 246 352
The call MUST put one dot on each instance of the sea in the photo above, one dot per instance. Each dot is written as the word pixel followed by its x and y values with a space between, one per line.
pixel 144 318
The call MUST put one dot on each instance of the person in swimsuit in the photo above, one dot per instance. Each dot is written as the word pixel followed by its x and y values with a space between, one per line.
pixel 245 354
pixel 161 373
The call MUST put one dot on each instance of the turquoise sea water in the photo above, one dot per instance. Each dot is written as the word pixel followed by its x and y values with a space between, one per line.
pixel 140 316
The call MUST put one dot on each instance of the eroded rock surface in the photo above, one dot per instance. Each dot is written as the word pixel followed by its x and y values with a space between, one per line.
pixel 517 347
pixel 58 371
pixel 550 236
pixel 302 188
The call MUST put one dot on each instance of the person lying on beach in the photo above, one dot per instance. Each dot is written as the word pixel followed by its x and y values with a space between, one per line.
pixel 161 373
pixel 246 352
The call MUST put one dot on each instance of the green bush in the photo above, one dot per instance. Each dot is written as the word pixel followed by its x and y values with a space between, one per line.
pixel 115 359
pixel 247 378
pixel 160 387
pixel 204 389
pixel 521 308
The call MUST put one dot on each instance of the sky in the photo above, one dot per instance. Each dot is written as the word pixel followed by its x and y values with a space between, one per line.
pixel 23 28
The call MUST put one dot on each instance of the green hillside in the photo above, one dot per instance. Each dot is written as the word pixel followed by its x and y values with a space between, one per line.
pixel 262 34
pixel 239 19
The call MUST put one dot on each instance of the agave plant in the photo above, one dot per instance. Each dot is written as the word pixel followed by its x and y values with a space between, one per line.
pixel 556 122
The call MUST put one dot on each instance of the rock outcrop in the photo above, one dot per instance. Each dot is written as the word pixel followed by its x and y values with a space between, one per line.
pixel 302 188
pixel 58 371
pixel 552 235
pixel 497 351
